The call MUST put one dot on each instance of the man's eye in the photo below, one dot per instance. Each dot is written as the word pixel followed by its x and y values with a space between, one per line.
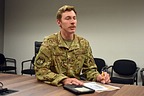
pixel 74 18
pixel 67 18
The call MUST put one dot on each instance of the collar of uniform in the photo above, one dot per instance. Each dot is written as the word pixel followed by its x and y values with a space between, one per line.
pixel 61 41
pixel 74 45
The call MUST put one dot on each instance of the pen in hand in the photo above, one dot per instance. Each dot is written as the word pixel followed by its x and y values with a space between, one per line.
pixel 103 75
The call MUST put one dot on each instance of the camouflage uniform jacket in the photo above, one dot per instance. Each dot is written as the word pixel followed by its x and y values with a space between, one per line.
pixel 56 61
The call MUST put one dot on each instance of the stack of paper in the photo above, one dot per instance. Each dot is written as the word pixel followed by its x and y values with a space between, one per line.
pixel 99 87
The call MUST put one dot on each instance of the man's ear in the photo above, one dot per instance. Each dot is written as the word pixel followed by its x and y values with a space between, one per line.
pixel 59 22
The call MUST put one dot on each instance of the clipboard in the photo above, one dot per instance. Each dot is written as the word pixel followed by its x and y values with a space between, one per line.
pixel 78 89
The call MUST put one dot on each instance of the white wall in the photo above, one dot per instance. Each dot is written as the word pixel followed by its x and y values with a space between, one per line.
pixel 1 25
pixel 114 28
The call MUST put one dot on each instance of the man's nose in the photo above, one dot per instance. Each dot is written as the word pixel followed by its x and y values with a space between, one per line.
pixel 73 21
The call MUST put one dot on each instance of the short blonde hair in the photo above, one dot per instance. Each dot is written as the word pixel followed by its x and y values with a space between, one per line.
pixel 63 9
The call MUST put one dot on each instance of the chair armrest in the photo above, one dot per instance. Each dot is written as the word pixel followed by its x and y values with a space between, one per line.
pixel 11 60
pixel 137 69
pixel 107 70
pixel 135 75
pixel 109 66
pixel 136 72
pixel 25 62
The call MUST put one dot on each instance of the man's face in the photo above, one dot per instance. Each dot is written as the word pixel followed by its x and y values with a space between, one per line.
pixel 68 22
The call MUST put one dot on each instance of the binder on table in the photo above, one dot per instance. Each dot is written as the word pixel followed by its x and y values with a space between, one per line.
pixel 78 89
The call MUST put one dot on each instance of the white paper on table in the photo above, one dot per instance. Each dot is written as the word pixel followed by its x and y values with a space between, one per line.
pixel 95 86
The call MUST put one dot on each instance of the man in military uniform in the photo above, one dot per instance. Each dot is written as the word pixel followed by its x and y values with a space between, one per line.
pixel 64 55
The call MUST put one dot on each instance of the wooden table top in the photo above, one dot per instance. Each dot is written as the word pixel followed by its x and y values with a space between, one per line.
pixel 29 86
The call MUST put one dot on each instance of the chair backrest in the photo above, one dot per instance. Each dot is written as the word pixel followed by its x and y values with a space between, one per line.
pixel 124 67
pixel 142 75
pixel 33 59
pixel 2 59
pixel 100 63
pixel 37 46
pixel 32 62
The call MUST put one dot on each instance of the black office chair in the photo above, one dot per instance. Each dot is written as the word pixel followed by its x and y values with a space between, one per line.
pixel 37 46
pixel 142 75
pixel 30 70
pixel 101 65
pixel 124 71
pixel 7 65
pixel 30 63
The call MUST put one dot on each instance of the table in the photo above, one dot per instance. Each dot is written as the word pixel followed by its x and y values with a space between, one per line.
pixel 30 86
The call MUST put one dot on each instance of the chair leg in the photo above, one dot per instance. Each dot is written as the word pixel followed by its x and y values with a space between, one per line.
pixel 136 80
pixel 15 71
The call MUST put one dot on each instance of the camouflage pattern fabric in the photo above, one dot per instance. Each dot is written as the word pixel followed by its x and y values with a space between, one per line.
pixel 57 61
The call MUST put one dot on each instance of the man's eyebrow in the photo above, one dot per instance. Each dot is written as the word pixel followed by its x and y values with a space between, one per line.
pixel 70 16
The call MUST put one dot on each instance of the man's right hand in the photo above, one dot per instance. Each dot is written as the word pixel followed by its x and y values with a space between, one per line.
pixel 103 78
pixel 72 81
